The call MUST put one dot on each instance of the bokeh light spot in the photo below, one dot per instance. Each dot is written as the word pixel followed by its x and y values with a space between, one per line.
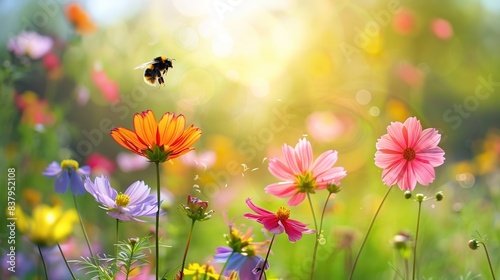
pixel 222 44
pixel 363 97
pixel 260 88
pixel 187 38
pixel 374 111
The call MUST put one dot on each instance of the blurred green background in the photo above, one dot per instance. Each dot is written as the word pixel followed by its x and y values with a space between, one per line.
pixel 254 75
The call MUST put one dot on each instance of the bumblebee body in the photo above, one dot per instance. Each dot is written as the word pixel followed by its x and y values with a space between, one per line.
pixel 155 70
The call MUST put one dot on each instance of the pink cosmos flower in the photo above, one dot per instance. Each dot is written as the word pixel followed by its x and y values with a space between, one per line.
pixel 300 174
pixel 404 21
pixel 278 222
pixel 107 87
pixel 407 154
pixel 442 29
pixel 31 44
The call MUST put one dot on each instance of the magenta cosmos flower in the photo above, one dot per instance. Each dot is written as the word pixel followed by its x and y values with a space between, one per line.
pixel 407 154
pixel 300 174
pixel 133 203
pixel 278 222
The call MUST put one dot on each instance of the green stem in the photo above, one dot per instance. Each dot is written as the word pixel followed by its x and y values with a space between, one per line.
pixel 157 242
pixel 318 235
pixel 267 256
pixel 84 231
pixel 116 244
pixel 66 262
pixel 314 216
pixel 407 271
pixel 225 264
pixel 129 262
pixel 186 250
pixel 368 232
pixel 416 239
pixel 323 212
pixel 489 261
pixel 43 262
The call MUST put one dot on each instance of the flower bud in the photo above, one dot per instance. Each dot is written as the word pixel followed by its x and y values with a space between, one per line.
pixel 333 188
pixel 439 196
pixel 196 209
pixel 133 240
pixel 473 244
pixel 403 243
pixel 419 197
pixel 407 194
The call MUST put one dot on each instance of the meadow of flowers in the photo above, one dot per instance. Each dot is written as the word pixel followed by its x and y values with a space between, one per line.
pixel 289 141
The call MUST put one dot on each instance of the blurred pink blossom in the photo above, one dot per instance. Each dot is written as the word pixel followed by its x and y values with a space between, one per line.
pixel 31 44
pixel 35 112
pixel 324 126
pixel 82 95
pixel 100 164
pixel 131 162
pixel 404 22
pixel 442 29
pixel 107 87
pixel 410 74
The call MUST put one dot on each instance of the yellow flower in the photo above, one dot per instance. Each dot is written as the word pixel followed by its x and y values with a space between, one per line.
pixel 198 270
pixel 158 141
pixel 48 225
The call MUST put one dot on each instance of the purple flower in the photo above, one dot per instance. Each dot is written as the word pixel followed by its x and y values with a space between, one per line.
pixel 31 44
pixel 134 202
pixel 67 173
pixel 244 264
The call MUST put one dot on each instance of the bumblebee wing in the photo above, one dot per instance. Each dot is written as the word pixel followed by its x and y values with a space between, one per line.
pixel 144 65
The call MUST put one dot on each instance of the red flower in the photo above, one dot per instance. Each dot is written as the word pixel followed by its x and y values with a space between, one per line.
pixel 278 222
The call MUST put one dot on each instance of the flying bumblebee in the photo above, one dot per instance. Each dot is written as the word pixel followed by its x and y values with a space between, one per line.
pixel 155 70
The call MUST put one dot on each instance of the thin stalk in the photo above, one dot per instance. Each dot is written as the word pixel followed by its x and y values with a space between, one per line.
pixel 157 240
pixel 407 268
pixel 416 239
pixel 66 262
pixel 267 256
pixel 116 244
pixel 489 261
pixel 84 231
pixel 318 233
pixel 368 232
pixel 187 248
pixel 43 262
pixel 225 264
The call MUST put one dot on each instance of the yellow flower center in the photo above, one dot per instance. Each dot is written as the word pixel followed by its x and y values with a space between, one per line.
pixel 67 163
pixel 122 200
pixel 409 154
pixel 283 213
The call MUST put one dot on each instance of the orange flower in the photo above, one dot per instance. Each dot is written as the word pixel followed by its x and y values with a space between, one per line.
pixel 158 141
pixel 80 19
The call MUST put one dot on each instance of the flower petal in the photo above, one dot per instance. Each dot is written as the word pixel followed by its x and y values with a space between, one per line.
pixel 325 161
pixel 296 199
pixel 61 184
pixel 76 183
pixel 146 127
pixel 52 170
pixel 413 130
pixel 281 189
pixel 280 170
pixel 304 154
